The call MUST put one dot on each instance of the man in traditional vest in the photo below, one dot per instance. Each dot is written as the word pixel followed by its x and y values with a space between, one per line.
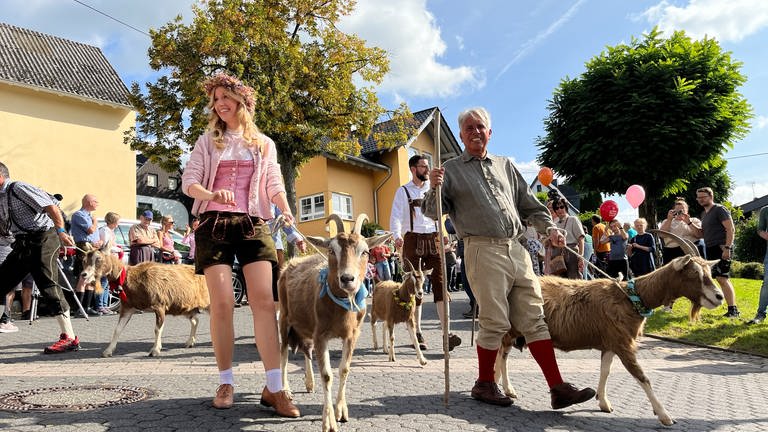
pixel 417 235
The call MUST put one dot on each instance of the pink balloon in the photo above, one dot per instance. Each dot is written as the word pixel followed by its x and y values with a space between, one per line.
pixel 635 195
pixel 608 210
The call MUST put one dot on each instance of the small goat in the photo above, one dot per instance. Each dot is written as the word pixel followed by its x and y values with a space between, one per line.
pixel 320 299
pixel 597 314
pixel 394 303
pixel 164 289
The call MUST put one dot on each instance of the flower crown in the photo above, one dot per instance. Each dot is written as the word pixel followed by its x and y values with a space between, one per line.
pixel 235 86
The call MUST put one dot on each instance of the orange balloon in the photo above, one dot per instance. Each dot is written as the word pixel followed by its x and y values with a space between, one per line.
pixel 545 176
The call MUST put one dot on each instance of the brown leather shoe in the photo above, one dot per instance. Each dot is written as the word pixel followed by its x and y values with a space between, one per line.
pixel 225 397
pixel 453 341
pixel 281 402
pixel 489 392
pixel 566 394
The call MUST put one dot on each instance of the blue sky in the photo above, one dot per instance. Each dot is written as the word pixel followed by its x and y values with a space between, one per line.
pixel 508 56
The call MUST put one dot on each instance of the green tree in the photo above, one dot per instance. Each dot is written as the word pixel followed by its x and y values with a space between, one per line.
pixel 749 247
pixel 652 112
pixel 306 74
pixel 715 177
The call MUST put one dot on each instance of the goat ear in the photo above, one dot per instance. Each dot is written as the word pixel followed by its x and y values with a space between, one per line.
pixel 712 263
pixel 679 263
pixel 87 247
pixel 428 272
pixel 377 240
pixel 319 241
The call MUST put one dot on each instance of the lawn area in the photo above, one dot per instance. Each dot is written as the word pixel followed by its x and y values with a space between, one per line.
pixel 712 329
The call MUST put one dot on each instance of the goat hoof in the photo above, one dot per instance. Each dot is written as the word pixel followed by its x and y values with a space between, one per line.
pixel 154 353
pixel 667 421
pixel 106 354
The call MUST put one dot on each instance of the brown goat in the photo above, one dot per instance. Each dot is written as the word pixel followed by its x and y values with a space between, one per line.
pixel 597 314
pixel 395 302
pixel 310 315
pixel 161 288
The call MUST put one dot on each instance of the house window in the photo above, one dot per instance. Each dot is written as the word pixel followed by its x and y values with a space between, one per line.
pixel 538 188
pixel 152 180
pixel 311 207
pixel 173 183
pixel 342 205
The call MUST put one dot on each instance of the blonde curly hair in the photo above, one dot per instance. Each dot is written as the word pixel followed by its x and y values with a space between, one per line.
pixel 239 92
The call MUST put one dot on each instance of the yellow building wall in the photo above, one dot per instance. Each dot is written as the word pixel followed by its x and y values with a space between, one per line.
pixel 312 180
pixel 68 146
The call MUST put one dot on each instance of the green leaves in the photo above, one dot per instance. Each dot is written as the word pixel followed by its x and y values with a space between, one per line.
pixel 305 73
pixel 649 113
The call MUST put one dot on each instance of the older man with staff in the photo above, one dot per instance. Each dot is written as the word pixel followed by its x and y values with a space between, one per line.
pixel 486 198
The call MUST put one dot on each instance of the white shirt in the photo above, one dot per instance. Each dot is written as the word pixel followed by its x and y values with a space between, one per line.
pixel 400 219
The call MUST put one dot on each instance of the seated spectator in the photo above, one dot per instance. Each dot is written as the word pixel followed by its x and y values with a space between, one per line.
pixel 168 252
pixel 143 240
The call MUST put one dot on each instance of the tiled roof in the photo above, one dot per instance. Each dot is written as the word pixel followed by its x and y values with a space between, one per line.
pixel 39 60
pixel 369 145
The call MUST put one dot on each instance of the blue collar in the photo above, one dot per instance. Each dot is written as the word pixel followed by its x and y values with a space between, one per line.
pixel 358 305
pixel 637 302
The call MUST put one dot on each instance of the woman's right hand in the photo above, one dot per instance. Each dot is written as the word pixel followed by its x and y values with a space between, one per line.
pixel 224 197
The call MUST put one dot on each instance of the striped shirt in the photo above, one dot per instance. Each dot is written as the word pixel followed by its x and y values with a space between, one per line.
pixel 26 205
pixel 487 197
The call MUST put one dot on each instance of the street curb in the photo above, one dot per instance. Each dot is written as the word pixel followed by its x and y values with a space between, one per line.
pixel 700 345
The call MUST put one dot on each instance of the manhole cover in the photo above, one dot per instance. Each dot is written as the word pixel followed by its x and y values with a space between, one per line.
pixel 76 398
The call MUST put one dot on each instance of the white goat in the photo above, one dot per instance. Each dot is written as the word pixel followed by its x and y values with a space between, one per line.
pixel 320 299
pixel 394 303
pixel 597 314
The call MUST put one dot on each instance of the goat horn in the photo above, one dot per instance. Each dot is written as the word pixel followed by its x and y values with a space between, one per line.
pixel 337 219
pixel 407 265
pixel 686 245
pixel 358 227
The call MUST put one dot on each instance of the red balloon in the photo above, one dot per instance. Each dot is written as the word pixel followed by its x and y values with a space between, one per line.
pixel 608 210
pixel 545 176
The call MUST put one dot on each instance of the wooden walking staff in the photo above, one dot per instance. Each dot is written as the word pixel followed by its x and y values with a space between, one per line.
pixel 446 310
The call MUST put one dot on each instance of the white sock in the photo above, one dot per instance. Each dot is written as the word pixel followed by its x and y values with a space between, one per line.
pixel 65 324
pixel 227 377
pixel 274 380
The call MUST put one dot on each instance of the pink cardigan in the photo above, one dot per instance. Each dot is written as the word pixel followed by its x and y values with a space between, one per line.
pixel 267 181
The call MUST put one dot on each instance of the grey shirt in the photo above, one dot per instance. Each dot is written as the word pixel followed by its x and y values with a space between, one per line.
pixel 712 225
pixel 487 197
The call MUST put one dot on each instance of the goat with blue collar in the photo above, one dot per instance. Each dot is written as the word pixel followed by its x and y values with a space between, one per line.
pixel 321 299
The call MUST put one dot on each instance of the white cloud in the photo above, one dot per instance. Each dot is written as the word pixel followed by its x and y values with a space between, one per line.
pixel 744 193
pixel 761 122
pixel 409 33
pixel 460 43
pixel 530 44
pixel 731 20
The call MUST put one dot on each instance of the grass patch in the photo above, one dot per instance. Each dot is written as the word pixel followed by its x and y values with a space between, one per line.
pixel 712 328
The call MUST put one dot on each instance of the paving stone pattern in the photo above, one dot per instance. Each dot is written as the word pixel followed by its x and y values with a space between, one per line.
pixel 703 389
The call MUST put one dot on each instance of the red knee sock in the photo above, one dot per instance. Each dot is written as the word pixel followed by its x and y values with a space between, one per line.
pixel 544 354
pixel 486 359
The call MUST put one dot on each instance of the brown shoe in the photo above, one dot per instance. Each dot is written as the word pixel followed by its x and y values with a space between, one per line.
pixel 488 392
pixel 453 341
pixel 566 394
pixel 281 402
pixel 225 397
